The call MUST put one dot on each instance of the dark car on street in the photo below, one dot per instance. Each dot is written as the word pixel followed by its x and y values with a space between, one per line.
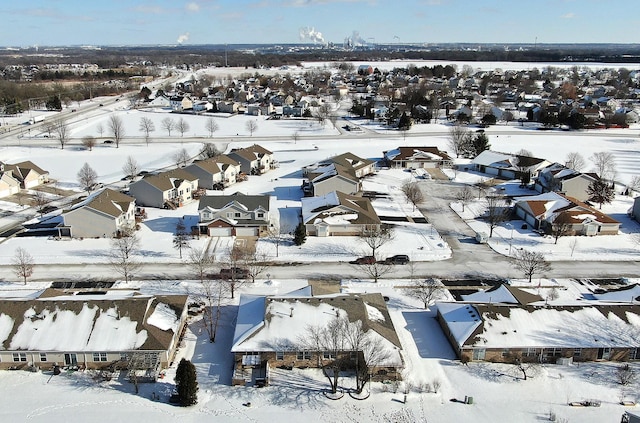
pixel 364 260
pixel 397 259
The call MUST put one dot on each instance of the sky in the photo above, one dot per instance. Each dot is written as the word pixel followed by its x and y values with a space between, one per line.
pixel 136 22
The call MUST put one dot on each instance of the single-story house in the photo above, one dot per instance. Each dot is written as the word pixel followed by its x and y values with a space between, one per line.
pixel 115 329
pixel 336 214
pixel 215 172
pixel 27 173
pixel 417 157
pixel 541 333
pixel 360 167
pixel 270 332
pixel 171 189
pixel 508 166
pixel 565 181
pixel 234 215
pixel 547 211
pixel 254 160
pixel 504 294
pixel 329 178
pixel 105 213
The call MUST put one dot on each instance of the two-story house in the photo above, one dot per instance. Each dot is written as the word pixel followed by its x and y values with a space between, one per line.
pixel 105 213
pixel 215 172
pixel 254 160
pixel 169 189
pixel 234 215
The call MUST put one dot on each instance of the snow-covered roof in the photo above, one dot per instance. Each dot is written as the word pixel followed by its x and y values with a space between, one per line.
pixel 502 294
pixel 627 294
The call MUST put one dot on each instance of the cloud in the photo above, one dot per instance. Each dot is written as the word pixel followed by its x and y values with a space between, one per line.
pixel 311 34
pixel 569 15
pixel 192 7
pixel 155 10
pixel 183 38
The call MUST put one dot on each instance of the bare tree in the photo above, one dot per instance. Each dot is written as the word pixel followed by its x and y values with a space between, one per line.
pixel 605 165
pixel 323 112
pixel 459 139
pixel 122 254
pixel 100 129
pixel 40 201
pixel 181 237
pixel 625 374
pixel 116 126
pixel 201 263
pixel 375 236
pixel 168 125
pixel 526 368
pixel 575 161
pixel 465 196
pixel 182 126
pixel 295 137
pixel 278 235
pixel 87 177
pixel 523 152
pixel 560 229
pixel 212 126
pixel 209 150
pixel 23 264
pixel 61 129
pixel 147 126
pixel 530 263
pixel 213 295
pixel 497 211
pixel 252 126
pixel 573 244
pixel 255 261
pixel 130 167
pixel 376 269
pixel 427 291
pixel 412 192
pixel 88 142
pixel 181 157
pixel 234 259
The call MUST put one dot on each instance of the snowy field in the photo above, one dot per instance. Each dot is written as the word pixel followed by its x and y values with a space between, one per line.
pixel 499 392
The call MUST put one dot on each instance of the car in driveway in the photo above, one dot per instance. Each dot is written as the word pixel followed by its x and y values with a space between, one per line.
pixel 364 260
pixel 397 259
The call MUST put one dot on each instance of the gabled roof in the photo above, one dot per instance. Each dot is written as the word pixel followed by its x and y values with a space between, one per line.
pixel 426 154
pixel 331 170
pixel 348 161
pixel 216 164
pixel 559 208
pixel 279 323
pixel 104 321
pixel 251 153
pixel 168 180
pixel 107 201
pixel 502 293
pixel 22 169
pixel 248 202
pixel 337 207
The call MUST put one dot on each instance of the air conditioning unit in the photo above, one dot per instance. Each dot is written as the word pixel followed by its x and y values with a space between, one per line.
pixel 565 361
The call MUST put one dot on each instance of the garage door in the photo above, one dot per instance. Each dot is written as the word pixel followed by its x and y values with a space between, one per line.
pixel 246 231
pixel 220 231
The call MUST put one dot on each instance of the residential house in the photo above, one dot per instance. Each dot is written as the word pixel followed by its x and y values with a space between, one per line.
pixel 540 332
pixel 114 329
pixel 336 214
pixel 8 184
pixel 558 178
pixel 228 106
pixel 234 215
pixel 635 210
pixel 215 172
pixel 160 101
pixel 181 103
pixel 547 212
pixel 330 178
pixel 254 160
pixel 360 167
pixel 169 189
pixel 417 157
pixel 270 332
pixel 106 213
pixel 508 166
pixel 28 174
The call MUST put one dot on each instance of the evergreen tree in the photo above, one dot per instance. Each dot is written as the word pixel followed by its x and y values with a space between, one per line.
pixel 479 144
pixel 186 383
pixel 300 234
pixel 600 192
pixel 405 122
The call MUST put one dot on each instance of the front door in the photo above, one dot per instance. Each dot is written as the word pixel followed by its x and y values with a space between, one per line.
pixel 70 360
pixel 604 353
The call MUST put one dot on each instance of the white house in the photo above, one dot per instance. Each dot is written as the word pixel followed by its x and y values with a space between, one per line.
pixel 171 189
pixel 234 215
pixel 104 213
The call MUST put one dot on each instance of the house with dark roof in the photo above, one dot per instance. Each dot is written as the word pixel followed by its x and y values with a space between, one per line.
pixel 558 178
pixel 336 214
pixel 216 172
pixel 254 160
pixel 234 215
pixel 270 332
pixel 107 330
pixel 339 173
pixel 106 213
pixel 499 332
pixel 548 211
pixel 416 158
pixel 169 189
pixel 27 173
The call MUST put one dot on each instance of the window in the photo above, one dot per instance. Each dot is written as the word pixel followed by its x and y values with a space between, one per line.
pixel 529 352
pixel 19 357
pixel 303 355
pixel 237 215
pixel 634 354
pixel 260 215
pixel 100 356
pixel 552 352
pixel 43 357
pixel 279 355
pixel 505 352
pixel 479 353
pixel 577 352
pixel 124 357
pixel 329 355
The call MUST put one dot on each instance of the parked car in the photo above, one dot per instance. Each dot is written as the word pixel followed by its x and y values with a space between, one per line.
pixel 364 260
pixel 397 259
pixel 107 142
pixel 234 273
